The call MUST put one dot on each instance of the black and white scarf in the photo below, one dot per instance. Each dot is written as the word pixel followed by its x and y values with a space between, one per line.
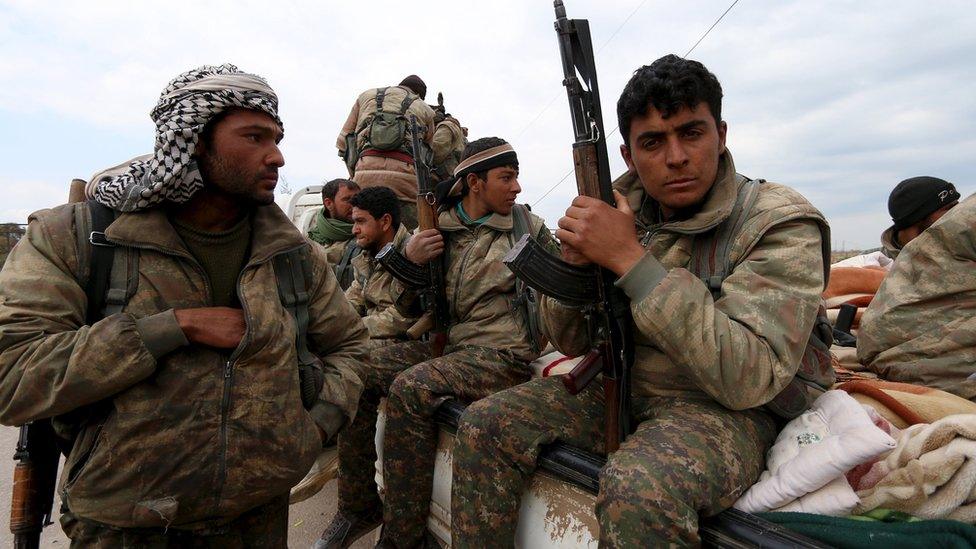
pixel 186 105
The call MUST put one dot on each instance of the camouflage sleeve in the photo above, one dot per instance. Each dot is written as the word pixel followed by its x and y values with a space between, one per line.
pixel 745 347
pixel 354 293
pixel 50 361
pixel 387 322
pixel 441 143
pixel 337 336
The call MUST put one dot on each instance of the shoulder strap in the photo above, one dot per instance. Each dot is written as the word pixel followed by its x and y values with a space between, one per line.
pixel 293 273
pixel 102 258
pixel 342 268
pixel 711 252
pixel 525 297
pixel 380 96
pixel 407 101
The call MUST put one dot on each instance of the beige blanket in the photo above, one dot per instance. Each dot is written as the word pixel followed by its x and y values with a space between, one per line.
pixel 930 474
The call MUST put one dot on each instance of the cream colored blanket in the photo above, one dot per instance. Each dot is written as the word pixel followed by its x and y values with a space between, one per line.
pixel 930 474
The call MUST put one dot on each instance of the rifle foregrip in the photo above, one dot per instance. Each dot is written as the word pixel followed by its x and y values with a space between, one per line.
pixel 584 372
pixel 550 275
pixel 24 519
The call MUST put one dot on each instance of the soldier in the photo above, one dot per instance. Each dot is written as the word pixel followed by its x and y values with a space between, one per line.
pixel 706 359
pixel 376 223
pixel 915 204
pixel 489 347
pixel 375 140
pixel 333 228
pixel 196 429
pixel 449 141
pixel 920 327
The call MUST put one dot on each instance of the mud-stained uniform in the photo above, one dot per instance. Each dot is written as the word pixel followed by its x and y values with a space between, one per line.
pixel 372 296
pixel 193 440
pixel 921 325
pixel 703 369
pixel 489 348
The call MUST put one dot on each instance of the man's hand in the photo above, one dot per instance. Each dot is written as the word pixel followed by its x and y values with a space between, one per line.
pixel 220 327
pixel 424 246
pixel 594 231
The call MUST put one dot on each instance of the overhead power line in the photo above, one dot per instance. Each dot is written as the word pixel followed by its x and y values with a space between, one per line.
pixel 614 130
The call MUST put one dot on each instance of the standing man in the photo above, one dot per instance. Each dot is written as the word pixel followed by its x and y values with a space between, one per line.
pixel 334 231
pixel 187 402
pixel 489 348
pixel 376 223
pixel 375 140
pixel 710 362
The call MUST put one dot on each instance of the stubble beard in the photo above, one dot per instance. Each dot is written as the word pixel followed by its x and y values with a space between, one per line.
pixel 232 180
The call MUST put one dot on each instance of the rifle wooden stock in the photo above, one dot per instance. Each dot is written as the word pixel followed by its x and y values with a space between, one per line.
pixel 612 394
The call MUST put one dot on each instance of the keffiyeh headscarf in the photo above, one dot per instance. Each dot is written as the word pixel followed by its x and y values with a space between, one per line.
pixel 186 105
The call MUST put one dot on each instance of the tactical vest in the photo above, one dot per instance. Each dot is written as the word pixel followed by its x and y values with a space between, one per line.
pixel 711 262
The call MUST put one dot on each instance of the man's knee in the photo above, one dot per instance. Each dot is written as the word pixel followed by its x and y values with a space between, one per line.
pixel 478 427
pixel 410 389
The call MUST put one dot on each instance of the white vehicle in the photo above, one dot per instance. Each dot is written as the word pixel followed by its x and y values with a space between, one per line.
pixel 302 206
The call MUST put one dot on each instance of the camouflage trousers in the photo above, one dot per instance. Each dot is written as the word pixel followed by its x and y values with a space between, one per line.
pixel 687 457
pixel 265 526
pixel 416 386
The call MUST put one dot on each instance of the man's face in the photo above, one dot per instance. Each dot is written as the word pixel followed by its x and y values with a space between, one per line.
pixel 370 233
pixel 911 232
pixel 676 158
pixel 340 208
pixel 498 190
pixel 242 157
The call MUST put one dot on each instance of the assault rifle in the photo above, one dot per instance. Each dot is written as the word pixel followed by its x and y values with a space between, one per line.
pixel 35 477
pixel 428 279
pixel 605 307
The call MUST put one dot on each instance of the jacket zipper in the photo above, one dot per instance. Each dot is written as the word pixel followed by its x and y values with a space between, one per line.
pixel 225 400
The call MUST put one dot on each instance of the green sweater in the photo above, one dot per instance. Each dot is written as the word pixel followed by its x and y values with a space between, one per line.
pixel 222 255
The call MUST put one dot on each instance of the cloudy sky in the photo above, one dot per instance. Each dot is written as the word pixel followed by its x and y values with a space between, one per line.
pixel 839 99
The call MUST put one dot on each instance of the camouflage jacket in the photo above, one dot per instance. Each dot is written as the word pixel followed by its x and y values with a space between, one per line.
pixel 374 171
pixel 370 293
pixel 921 325
pixel 192 436
pixel 888 245
pixel 448 144
pixel 742 349
pixel 480 288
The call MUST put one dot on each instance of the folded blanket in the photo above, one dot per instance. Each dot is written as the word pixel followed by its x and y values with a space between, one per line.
pixel 856 534
pixel 904 404
pixel 853 280
pixel 930 474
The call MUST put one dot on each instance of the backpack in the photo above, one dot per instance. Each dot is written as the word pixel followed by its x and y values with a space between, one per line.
pixel 388 130
pixel 526 299
pixel 712 264
pixel 114 275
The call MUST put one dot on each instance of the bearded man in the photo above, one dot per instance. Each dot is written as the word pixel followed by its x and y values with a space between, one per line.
pixel 186 397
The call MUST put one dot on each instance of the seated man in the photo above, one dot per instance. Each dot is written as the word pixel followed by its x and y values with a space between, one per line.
pixel 489 348
pixel 333 228
pixel 921 326
pixel 376 223
pixel 707 357
pixel 915 204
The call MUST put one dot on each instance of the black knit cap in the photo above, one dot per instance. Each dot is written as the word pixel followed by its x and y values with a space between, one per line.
pixel 415 83
pixel 915 198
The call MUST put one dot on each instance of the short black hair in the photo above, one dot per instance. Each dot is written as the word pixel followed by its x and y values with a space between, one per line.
pixel 483 144
pixel 331 189
pixel 667 85
pixel 378 201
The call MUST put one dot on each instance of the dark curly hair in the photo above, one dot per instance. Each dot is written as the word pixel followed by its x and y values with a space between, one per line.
pixel 378 201
pixel 667 85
